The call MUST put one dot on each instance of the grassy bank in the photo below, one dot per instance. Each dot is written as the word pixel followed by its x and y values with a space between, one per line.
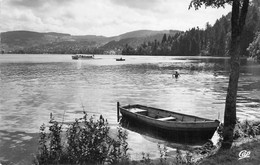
pixel 234 156
pixel 245 148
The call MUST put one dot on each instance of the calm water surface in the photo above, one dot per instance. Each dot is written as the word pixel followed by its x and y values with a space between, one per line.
pixel 33 86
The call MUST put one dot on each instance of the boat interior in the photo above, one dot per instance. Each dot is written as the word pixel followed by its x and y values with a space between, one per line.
pixel 162 115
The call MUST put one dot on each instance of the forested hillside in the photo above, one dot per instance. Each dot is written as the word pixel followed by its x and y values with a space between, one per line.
pixel 212 40
pixel 38 43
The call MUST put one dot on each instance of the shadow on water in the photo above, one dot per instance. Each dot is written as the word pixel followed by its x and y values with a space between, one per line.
pixel 149 133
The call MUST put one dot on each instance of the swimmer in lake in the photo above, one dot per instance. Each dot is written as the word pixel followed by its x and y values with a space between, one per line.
pixel 176 74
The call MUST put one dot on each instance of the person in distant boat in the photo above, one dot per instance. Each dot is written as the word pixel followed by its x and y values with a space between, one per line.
pixel 176 74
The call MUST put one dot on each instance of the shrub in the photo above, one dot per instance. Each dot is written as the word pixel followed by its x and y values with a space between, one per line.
pixel 86 141
pixel 146 159
pixel 243 129
pixel 246 129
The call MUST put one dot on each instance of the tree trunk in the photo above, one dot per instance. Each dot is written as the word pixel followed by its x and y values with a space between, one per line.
pixel 237 24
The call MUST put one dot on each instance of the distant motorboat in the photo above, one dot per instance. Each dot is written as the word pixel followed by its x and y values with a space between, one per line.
pixel 82 56
pixel 120 59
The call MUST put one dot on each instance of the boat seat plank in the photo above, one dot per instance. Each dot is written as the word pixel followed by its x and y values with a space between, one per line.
pixel 138 110
pixel 170 118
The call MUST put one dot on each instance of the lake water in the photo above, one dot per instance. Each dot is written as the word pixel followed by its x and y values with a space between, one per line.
pixel 33 86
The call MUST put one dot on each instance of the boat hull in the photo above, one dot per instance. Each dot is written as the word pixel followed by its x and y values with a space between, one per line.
pixel 75 57
pixel 120 59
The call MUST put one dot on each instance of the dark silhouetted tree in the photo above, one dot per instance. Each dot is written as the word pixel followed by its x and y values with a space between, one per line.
pixel 238 18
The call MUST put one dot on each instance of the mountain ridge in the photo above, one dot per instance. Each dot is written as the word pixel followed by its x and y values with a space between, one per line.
pixel 22 40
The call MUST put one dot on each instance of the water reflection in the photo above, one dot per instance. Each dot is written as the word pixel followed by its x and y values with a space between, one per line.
pixel 156 135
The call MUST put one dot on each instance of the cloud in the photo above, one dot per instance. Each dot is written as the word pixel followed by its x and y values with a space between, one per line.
pixel 38 3
pixel 26 3
pixel 102 17
pixel 138 4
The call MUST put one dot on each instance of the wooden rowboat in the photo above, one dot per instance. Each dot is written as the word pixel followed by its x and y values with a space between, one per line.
pixel 175 125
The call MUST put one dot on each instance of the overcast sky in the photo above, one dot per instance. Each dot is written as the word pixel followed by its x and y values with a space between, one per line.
pixel 103 17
